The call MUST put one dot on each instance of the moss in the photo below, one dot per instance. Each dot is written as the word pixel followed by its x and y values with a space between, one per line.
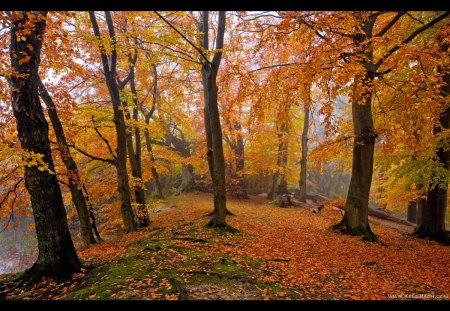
pixel 330 278
pixel 253 262
pixel 274 289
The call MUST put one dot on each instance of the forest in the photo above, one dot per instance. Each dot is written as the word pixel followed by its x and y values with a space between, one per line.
pixel 224 155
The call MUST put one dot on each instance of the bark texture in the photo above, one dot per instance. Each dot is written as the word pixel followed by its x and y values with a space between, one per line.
pixel 57 256
pixel 75 185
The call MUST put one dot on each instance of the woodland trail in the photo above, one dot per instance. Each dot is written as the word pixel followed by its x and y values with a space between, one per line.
pixel 278 253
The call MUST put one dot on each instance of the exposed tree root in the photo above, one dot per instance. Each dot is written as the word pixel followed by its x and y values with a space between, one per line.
pixel 367 234
pixel 213 223
pixel 228 213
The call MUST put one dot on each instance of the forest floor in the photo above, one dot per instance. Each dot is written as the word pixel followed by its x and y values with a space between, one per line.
pixel 277 253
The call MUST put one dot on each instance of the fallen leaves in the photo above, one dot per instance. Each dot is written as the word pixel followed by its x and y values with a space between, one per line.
pixel 277 254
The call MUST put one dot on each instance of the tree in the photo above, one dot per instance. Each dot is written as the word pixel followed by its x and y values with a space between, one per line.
pixel 213 127
pixel 361 60
pixel 301 193
pixel 75 184
pixel 432 224
pixel 109 71
pixel 57 256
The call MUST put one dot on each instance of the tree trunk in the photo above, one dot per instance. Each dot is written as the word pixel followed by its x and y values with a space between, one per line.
pixel 412 212
pixel 355 221
pixel 187 179
pixel 274 189
pixel 241 192
pixel 220 207
pixel 279 184
pixel 212 120
pixel 433 213
pixel 119 122
pixel 135 164
pixel 92 216
pixel 75 185
pixel 155 175
pixel 421 203
pixel 57 256
pixel 301 194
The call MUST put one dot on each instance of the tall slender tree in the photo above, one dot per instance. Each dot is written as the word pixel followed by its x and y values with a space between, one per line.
pixel 73 176
pixel 109 70
pixel 213 127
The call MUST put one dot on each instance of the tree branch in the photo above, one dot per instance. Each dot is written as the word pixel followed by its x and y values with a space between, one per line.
pixel 89 155
pixel 183 36
pixel 102 137
pixel 274 66
pixel 100 44
pixel 411 37
pixel 390 24
pixel 219 40
pixel 112 36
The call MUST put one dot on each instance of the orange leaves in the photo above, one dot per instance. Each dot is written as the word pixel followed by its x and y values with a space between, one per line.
pixel 24 59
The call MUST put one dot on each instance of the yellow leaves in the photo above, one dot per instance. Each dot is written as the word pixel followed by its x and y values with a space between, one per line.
pixel 21 38
pixel 31 159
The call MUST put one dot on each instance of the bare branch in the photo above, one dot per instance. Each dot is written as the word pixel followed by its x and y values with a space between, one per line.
pixel 102 137
pixel 183 36
pixel 411 37
pixel 90 155
pixel 390 24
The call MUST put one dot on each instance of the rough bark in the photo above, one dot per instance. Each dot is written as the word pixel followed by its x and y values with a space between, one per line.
pixel 75 186
pixel 355 220
pixel 134 152
pixel 57 256
pixel 109 70
pixel 301 194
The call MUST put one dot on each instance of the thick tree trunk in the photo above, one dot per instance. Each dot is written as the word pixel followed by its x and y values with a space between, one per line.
pixel 355 221
pixel 433 213
pixel 75 185
pixel 57 256
pixel 109 70
pixel 301 194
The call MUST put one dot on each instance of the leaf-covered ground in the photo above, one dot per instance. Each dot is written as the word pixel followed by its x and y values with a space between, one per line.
pixel 277 253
